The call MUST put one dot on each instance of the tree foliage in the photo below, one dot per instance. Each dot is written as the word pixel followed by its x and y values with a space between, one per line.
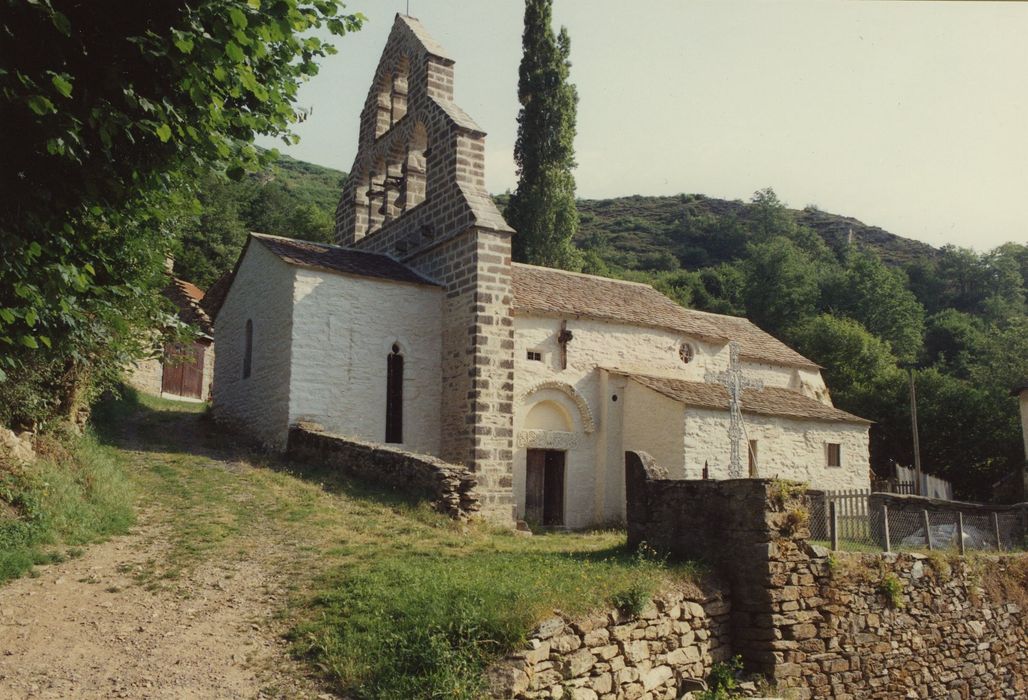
pixel 956 315
pixel 542 210
pixel 108 115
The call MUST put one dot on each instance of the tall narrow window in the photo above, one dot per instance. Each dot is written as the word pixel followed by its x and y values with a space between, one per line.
pixel 753 459
pixel 394 396
pixel 248 349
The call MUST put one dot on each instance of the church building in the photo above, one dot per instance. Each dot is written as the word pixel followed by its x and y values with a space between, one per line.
pixel 417 330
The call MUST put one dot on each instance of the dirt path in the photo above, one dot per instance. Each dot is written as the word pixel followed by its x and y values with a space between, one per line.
pixel 86 628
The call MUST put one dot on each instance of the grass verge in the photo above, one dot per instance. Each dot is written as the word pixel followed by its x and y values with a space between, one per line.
pixel 76 493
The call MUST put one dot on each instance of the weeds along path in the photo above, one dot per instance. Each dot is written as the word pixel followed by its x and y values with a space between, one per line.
pixel 181 607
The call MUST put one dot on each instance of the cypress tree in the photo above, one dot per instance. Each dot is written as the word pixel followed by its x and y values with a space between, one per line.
pixel 542 210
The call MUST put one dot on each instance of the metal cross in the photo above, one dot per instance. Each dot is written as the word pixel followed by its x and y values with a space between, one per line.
pixel 732 380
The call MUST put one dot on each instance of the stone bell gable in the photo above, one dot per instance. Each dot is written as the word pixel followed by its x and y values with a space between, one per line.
pixel 416 192
pixel 419 173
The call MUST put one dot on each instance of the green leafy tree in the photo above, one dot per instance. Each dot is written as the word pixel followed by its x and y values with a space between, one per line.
pixel 207 245
pixel 770 218
pixel 542 210
pixel 878 297
pixel 781 285
pixel 952 339
pixel 106 115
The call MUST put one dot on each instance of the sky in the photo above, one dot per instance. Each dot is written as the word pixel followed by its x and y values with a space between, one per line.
pixel 912 116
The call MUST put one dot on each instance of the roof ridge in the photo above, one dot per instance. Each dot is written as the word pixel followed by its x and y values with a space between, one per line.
pixel 587 275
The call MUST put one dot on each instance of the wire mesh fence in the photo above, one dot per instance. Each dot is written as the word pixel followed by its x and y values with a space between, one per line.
pixel 854 521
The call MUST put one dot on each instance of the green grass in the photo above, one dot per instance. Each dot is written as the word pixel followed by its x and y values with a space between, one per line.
pixel 76 494
pixel 387 598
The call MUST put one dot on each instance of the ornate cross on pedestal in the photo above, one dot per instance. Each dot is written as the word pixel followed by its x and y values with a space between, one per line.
pixel 732 380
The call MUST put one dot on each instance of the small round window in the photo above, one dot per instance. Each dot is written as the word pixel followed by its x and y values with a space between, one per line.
pixel 686 352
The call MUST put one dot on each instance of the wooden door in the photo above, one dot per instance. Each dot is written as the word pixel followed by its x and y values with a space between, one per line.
pixel 544 487
pixel 534 479
pixel 553 489
pixel 183 370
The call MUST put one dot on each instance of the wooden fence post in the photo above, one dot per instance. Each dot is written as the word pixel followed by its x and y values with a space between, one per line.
pixel 995 526
pixel 960 533
pixel 833 525
pixel 927 529
pixel 885 528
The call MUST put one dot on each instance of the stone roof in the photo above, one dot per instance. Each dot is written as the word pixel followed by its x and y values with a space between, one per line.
pixel 548 291
pixel 333 258
pixel 187 297
pixel 432 47
pixel 769 401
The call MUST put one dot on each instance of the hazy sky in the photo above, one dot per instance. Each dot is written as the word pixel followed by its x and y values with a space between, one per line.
pixel 912 116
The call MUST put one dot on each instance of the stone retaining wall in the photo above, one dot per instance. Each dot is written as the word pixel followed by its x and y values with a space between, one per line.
pixel 834 624
pixel 663 652
pixel 948 637
pixel 449 487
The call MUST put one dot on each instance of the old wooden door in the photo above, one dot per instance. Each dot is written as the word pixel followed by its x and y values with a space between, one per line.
pixel 544 487
pixel 183 370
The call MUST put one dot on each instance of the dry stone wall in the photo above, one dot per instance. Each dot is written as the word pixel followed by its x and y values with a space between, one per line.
pixel 833 624
pixel 667 649
pixel 450 488
pixel 944 635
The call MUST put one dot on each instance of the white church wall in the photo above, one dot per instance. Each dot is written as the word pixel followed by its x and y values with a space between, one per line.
pixel 343 330
pixel 786 449
pixel 258 404
pixel 655 424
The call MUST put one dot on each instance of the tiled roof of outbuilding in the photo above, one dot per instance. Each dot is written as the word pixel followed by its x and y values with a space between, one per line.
pixel 188 297
pixel 769 401
pixel 557 292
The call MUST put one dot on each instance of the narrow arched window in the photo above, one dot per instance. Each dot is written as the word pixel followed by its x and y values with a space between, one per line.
pixel 394 396
pixel 248 349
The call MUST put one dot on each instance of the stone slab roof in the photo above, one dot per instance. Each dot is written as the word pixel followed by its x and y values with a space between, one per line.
pixel 432 46
pixel 188 298
pixel 548 291
pixel 769 401
pixel 333 258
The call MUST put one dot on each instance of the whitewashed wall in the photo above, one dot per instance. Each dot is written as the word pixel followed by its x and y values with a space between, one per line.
pixel 640 420
pixel 262 291
pixel 786 449
pixel 343 330
pixel 655 424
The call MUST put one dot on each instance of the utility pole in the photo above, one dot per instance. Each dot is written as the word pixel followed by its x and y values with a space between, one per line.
pixel 913 425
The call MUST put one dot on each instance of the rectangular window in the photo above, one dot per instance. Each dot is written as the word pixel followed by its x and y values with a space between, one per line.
pixel 753 459
pixel 834 454
pixel 534 356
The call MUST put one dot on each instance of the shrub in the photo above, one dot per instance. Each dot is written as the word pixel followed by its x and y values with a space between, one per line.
pixel 892 588
pixel 723 680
